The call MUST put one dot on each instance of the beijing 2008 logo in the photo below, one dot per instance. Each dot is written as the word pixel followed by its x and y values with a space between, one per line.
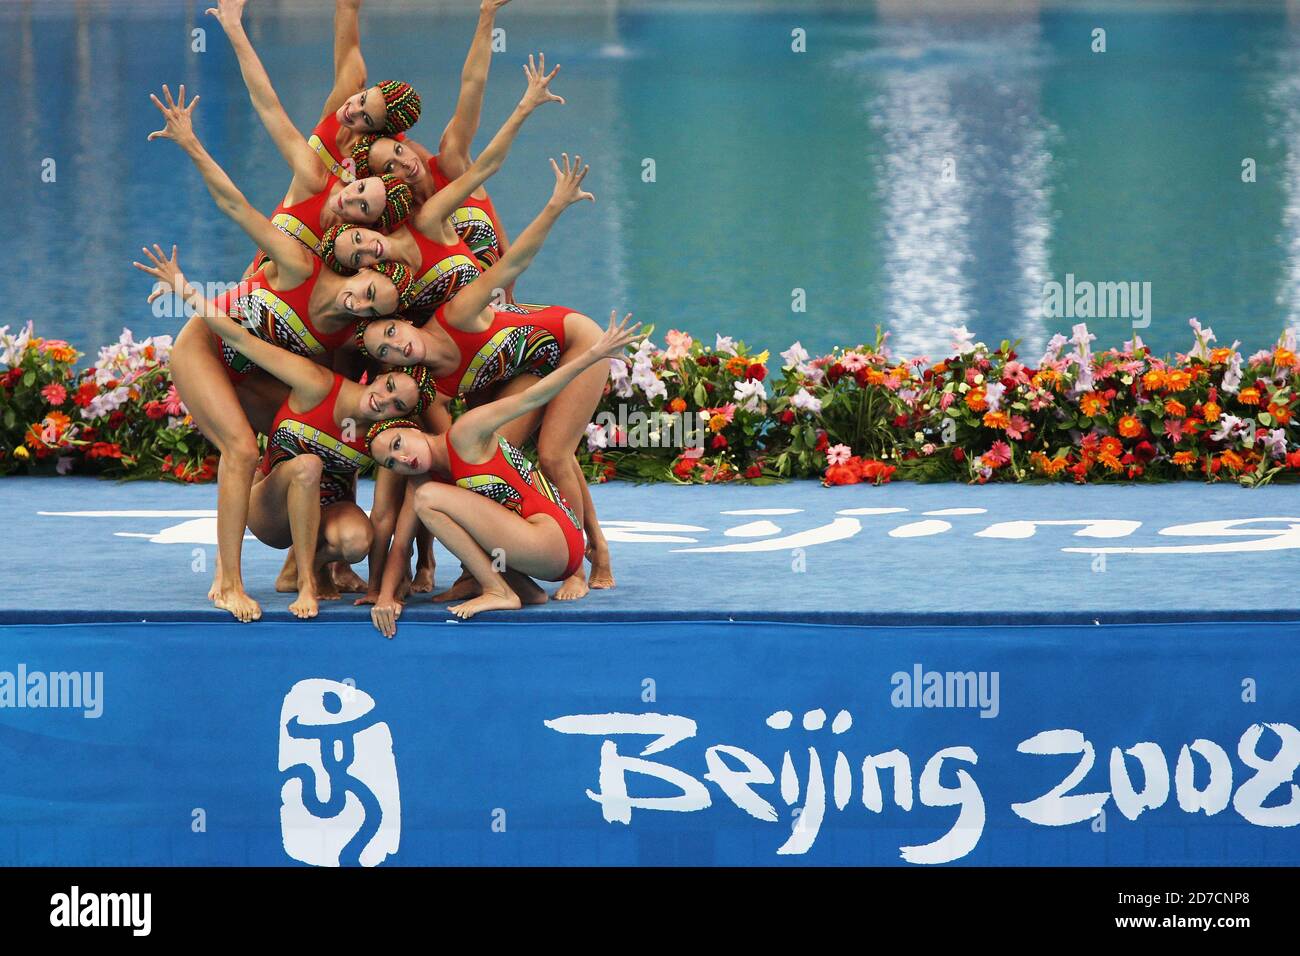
pixel 339 801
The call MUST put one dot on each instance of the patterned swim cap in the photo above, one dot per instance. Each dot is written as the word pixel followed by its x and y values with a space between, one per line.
pixel 378 428
pixel 326 248
pixel 423 376
pixel 359 337
pixel 401 277
pixel 398 200
pixel 402 103
pixel 361 156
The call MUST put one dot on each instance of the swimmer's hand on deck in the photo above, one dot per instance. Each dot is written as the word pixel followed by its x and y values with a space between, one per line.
pixel 384 616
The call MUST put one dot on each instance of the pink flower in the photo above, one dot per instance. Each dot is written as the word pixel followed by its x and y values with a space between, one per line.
pixel 1174 429
pixel 838 454
pixel 1016 430
pixel 679 344
pixel 853 361
pixel 55 394
pixel 173 402
pixel 946 400
pixel 997 455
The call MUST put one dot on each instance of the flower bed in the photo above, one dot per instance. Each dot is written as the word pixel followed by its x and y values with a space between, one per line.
pixel 120 418
pixel 692 413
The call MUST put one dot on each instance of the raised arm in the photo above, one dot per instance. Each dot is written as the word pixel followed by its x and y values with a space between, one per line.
pixel 476 427
pixel 349 66
pixel 303 163
pixel 294 370
pixel 453 148
pixel 291 256
pixel 448 199
pixel 462 310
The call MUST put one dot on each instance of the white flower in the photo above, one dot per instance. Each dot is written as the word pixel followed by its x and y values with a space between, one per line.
pixel 725 344
pixel 805 400
pixel 1204 336
pixel 12 347
pixel 1232 374
pixel 795 356
pixel 1275 442
pixel 1231 426
pixel 963 340
pixel 1054 346
pixel 597 436
pixel 750 395
pixel 993 394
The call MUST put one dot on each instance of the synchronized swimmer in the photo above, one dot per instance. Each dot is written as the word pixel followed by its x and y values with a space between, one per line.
pixel 381 292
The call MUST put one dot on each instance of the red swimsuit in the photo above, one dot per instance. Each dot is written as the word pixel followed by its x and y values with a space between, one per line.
pixel 324 142
pixel 444 270
pixel 316 432
pixel 516 342
pixel 476 220
pixel 510 479
pixel 279 317
pixel 301 221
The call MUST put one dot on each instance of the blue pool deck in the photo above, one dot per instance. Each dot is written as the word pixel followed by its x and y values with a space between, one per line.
pixel 81 549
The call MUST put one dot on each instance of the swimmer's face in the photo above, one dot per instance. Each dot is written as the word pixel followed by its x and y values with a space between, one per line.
pixel 368 294
pixel 395 342
pixel 393 395
pixel 404 450
pixel 361 201
pixel 359 248
pixel 393 156
pixel 364 112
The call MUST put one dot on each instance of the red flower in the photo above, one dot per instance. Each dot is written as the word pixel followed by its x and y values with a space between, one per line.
pixel 756 371
pixel 835 373
pixel 155 410
pixel 719 442
pixel 787 417
pixel 104 449
pixel 1144 451
pixel 85 394
pixel 1293 460
pixel 823 442
pixel 754 471
pixel 55 394
pixel 958 455
pixel 11 377
pixel 116 419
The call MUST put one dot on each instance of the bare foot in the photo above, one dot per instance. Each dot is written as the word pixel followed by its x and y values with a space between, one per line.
pixel 325 588
pixel 237 602
pixel 602 576
pixel 305 607
pixel 506 600
pixel 465 587
pixel 217 584
pixel 529 591
pixel 423 582
pixel 345 579
pixel 287 580
pixel 574 587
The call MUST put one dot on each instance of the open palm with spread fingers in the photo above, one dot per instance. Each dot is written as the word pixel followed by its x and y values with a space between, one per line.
pixel 179 117
pixel 568 181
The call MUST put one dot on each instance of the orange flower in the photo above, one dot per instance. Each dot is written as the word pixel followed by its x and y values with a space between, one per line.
pixel 976 400
pixel 996 419
pixel 1283 358
pixel 1047 378
pixel 1211 411
pixel 677 405
pixel 875 376
pixel 1093 404
pixel 1220 356
pixel 1281 414
pixel 1153 380
pixel 1048 466
pixel 1130 427
pixel 1175 409
pixel 1184 458
pixel 940 368
pixel 1111 447
pixel 737 365
pixel 1177 379
pixel 718 422
pixel 1110 461
pixel 1248 396
pixel 1232 460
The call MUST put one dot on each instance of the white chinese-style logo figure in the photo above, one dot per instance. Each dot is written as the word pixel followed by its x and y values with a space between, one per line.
pixel 339 804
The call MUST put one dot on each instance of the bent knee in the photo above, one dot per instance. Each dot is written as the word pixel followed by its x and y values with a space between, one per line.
pixel 305 470
pixel 241 452
pixel 354 541
pixel 554 459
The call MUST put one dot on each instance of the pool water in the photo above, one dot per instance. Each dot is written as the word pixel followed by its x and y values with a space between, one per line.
pixel 917 173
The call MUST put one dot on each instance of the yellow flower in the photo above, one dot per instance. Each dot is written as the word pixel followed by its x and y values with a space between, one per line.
pixel 21 453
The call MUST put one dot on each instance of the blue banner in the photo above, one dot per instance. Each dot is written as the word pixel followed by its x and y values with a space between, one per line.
pixel 649 743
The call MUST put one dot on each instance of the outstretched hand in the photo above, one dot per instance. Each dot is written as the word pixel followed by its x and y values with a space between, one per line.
pixel 384 616
pixel 179 118
pixel 166 270
pixel 568 182
pixel 539 83
pixel 228 12
pixel 616 337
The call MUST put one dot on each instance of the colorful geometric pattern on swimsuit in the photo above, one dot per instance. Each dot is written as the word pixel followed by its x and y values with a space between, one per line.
pixel 443 280
pixel 476 228
pixel 339 462
pixel 512 351
pixel 332 165
pixel 272 320
pixel 295 228
pixel 502 492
